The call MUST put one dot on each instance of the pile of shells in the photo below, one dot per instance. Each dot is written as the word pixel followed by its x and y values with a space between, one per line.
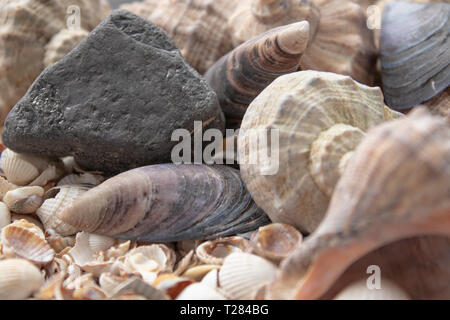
pixel 351 179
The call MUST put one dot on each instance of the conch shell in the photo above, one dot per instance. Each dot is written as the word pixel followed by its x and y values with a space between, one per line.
pixel 166 203
pixel 396 186
pixel 320 118
pixel 414 52
pixel 241 75
pixel 26 28
pixel 198 27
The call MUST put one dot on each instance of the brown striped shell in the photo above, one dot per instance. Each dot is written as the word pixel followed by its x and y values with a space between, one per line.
pixel 167 203
pixel 396 186
pixel 241 75
pixel 198 27
pixel 315 121
pixel 26 27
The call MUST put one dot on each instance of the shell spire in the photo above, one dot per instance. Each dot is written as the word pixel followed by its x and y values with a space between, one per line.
pixel 241 75
pixel 167 203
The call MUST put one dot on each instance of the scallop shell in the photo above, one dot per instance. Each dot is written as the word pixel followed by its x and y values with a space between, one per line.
pixel 319 118
pixel 199 291
pixel 215 251
pixel 26 27
pixel 62 43
pixel 396 186
pixel 5 215
pixel 22 241
pixel 414 52
pixel 24 200
pixel 360 291
pixel 276 241
pixel 18 279
pixel 241 75
pixel 167 203
pixel 243 274
pixel 56 199
pixel 198 27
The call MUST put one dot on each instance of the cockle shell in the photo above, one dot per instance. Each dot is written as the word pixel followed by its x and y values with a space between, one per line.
pixel 24 169
pixel 18 279
pixel 359 291
pixel 276 241
pixel 56 199
pixel 5 215
pixel 243 274
pixel 24 240
pixel 167 203
pixel 199 291
pixel 26 27
pixel 241 75
pixel 320 118
pixel 28 218
pixel 414 52
pixel 24 200
pixel 396 186
pixel 198 27
pixel 216 250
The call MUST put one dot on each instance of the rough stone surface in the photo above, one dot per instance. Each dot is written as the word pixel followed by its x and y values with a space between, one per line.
pixel 114 101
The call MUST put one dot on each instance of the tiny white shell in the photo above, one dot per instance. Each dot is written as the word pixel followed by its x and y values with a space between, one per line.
pixel 18 279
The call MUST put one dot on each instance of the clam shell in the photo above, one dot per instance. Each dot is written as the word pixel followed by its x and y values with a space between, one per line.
pixel 359 291
pixel 21 169
pixel 24 200
pixel 396 186
pixel 18 279
pixel 241 75
pixel 198 27
pixel 243 274
pixel 276 241
pixel 56 200
pixel 215 251
pixel 167 203
pixel 23 242
pixel 5 215
pixel 319 117
pixel 199 291
pixel 26 27
pixel 415 59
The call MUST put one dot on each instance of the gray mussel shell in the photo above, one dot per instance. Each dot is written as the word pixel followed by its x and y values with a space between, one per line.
pixel 162 203
pixel 415 53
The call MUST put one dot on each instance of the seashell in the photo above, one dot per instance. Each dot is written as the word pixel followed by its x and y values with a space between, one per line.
pixel 199 291
pixel 254 17
pixel 5 186
pixel 241 75
pixel 317 119
pixel 191 200
pixel 5 215
pixel 30 219
pixel 87 178
pixel 211 279
pixel 396 186
pixel 109 282
pixel 198 27
pixel 58 242
pixel 440 105
pixel 24 200
pixel 23 169
pixel 243 274
pixel 342 43
pixel 276 241
pixel 26 27
pixel 62 43
pixel 18 279
pixel 21 240
pixel 141 288
pixel 198 272
pixel 171 284
pixel 149 261
pixel 414 52
pixel 55 200
pixel 360 291
pixel 215 251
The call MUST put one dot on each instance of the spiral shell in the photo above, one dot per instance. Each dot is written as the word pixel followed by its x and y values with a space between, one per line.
pixel 198 27
pixel 26 27
pixel 18 279
pixel 396 186
pixel 415 59
pixel 241 75
pixel 320 118
pixel 167 203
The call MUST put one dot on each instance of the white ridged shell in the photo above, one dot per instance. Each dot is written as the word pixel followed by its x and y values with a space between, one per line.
pixel 18 279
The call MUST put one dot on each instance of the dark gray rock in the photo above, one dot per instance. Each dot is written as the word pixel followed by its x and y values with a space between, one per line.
pixel 114 101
